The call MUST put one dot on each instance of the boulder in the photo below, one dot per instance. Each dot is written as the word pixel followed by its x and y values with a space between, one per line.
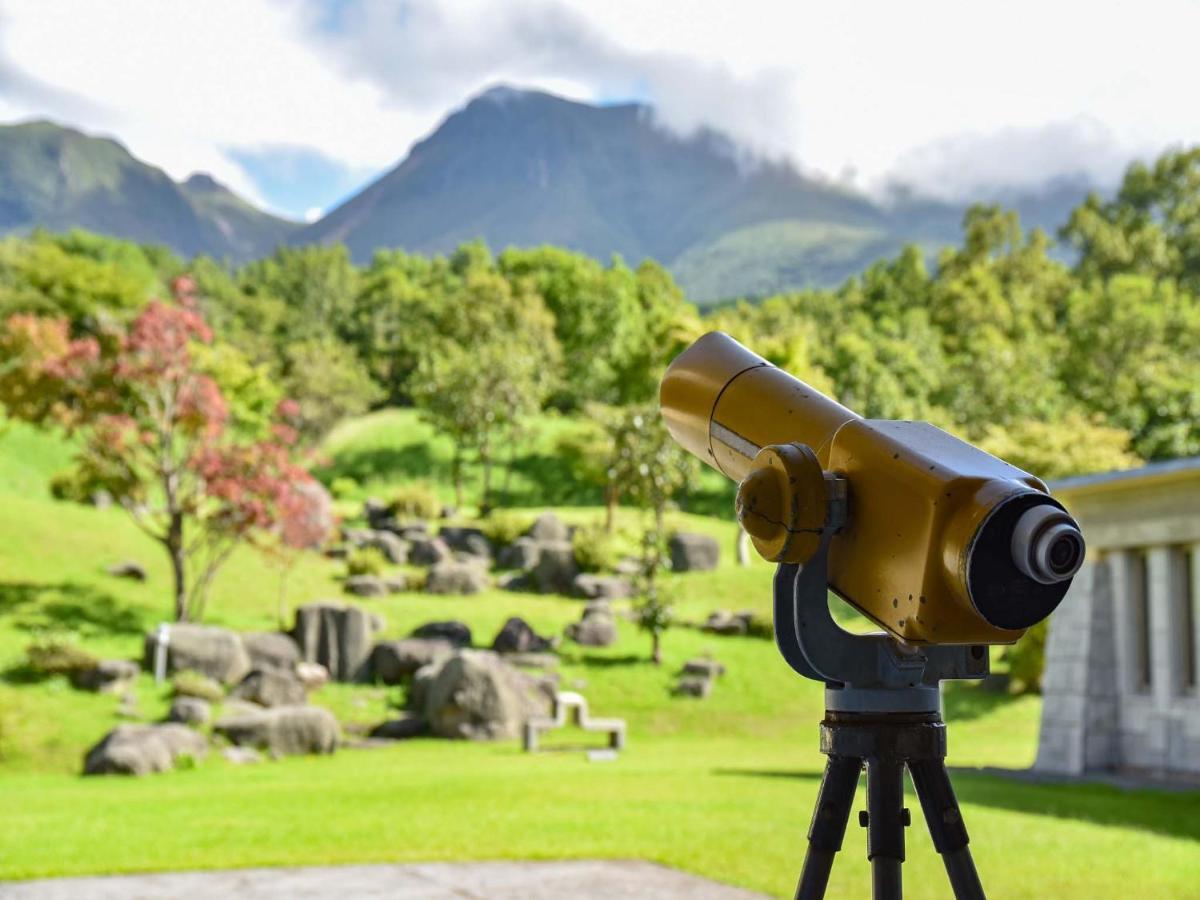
pixel 456 578
pixel 415 530
pixel 241 756
pixel 396 583
pixel 313 676
pixel 475 695
pixel 189 711
pixel 549 528
pixel 108 676
pixel 357 537
pixel 520 582
pixel 271 650
pixel 394 662
pixel 393 548
pixel 693 552
pixel 596 628
pixel 375 511
pixel 283 730
pixel 407 726
pixel 271 687
pixel 694 686
pixel 336 636
pixel 517 636
pixel 703 668
pixel 521 555
pixel 468 541
pixel 193 684
pixel 429 551
pixel 727 623
pixel 602 587
pixel 556 569
pixel 134 571
pixel 142 749
pixel 453 632
pixel 215 652
pixel 365 586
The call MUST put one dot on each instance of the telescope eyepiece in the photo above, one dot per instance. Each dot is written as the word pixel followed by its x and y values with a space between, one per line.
pixel 1047 545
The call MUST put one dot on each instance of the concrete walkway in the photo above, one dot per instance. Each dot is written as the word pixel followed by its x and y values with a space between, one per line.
pixel 584 880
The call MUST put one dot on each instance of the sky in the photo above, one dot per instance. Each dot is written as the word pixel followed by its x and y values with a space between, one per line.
pixel 295 104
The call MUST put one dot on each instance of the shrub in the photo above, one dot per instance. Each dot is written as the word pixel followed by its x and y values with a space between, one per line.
pixel 1026 661
pixel 188 683
pixel 503 528
pixel 365 561
pixel 595 549
pixel 56 656
pixel 73 487
pixel 416 501
pixel 415 580
pixel 343 488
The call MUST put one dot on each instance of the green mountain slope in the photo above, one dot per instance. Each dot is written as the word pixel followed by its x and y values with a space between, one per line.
pixel 59 178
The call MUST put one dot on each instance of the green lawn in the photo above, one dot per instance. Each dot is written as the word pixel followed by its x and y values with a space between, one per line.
pixel 723 787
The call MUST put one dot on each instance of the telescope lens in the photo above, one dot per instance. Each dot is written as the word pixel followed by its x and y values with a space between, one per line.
pixel 1047 545
pixel 1064 553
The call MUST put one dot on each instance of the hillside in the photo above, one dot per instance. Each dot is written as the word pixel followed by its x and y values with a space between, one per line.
pixel 58 178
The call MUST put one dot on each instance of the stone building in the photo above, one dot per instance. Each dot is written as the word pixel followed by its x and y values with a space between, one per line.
pixel 1120 687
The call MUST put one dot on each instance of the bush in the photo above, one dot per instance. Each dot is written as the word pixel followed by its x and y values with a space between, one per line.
pixel 503 528
pixel 73 487
pixel 188 683
pixel 595 549
pixel 56 656
pixel 416 501
pixel 365 561
pixel 344 488
pixel 1027 660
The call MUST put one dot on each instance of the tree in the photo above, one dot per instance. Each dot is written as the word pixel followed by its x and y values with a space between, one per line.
pixel 647 465
pixel 652 608
pixel 327 382
pixel 156 433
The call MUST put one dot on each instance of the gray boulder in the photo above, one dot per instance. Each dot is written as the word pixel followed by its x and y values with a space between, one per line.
pixel 336 636
pixel 396 583
pixel 134 571
pixel 556 569
pixel 475 695
pixel 108 676
pixel 453 632
pixel 549 528
pixel 520 582
pixel 726 623
pixel 521 555
pixel 271 687
pixel 703 668
pixel 467 541
pixel 393 548
pixel 375 510
pixel 365 586
pixel 596 628
pixel 602 587
pixel 189 711
pixel 429 551
pixel 241 756
pixel 407 726
pixel 271 650
pixel 693 552
pixel 456 578
pixel 142 749
pixel 694 686
pixel 283 730
pixel 517 636
pixel 394 662
pixel 215 652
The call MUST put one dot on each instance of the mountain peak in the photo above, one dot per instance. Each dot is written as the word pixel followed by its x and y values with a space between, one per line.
pixel 203 183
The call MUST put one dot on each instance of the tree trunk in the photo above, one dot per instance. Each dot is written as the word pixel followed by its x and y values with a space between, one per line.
pixel 457 475
pixel 656 648
pixel 660 510
pixel 612 494
pixel 174 544
pixel 485 457
pixel 508 470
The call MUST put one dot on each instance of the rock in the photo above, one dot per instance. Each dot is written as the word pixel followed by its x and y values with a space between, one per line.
pixel 517 636
pixel 693 552
pixel 532 660
pixel 283 730
pixel 215 652
pixel 193 684
pixel 189 711
pixel 407 726
pixel 694 686
pixel 602 587
pixel 394 662
pixel 336 636
pixel 271 687
pixel 596 628
pixel 142 749
pixel 549 528
pixel 415 530
pixel 515 581
pixel 629 566
pixel 453 632
pixel 556 569
pixel 375 511
pixel 271 650
pixel 108 676
pixel 357 537
pixel 468 541
pixel 365 586
pixel 128 569
pixel 429 551
pixel 396 583
pixel 313 676
pixel 456 578
pixel 521 555
pixel 727 623
pixel 475 695
pixel 242 756
pixel 393 548
pixel 703 668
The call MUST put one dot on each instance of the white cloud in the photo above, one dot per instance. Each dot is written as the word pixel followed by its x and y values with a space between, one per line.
pixel 943 93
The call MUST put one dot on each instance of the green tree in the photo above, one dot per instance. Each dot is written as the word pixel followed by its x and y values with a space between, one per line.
pixel 328 382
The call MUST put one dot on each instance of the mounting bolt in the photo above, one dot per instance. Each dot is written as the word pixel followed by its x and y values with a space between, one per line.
pixel 863 818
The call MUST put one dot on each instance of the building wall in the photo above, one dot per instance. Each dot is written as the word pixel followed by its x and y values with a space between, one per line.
pixel 1123 651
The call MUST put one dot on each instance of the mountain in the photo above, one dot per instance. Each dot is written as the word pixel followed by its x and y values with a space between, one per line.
pixel 59 178
pixel 521 168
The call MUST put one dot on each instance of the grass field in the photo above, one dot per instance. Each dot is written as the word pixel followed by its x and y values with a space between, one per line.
pixel 722 787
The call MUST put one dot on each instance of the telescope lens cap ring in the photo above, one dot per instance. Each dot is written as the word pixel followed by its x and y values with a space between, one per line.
pixel 1047 545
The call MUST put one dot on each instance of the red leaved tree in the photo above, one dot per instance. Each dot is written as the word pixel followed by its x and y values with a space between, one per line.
pixel 155 434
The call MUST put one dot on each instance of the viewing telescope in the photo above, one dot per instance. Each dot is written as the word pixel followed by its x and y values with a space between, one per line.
pixel 942 543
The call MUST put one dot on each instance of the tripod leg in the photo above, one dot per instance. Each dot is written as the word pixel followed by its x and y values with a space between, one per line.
pixel 946 827
pixel 828 827
pixel 885 827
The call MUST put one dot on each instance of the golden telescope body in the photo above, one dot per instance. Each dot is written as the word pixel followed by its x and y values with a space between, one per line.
pixel 942 543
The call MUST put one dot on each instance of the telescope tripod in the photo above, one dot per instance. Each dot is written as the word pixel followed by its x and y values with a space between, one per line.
pixel 882 711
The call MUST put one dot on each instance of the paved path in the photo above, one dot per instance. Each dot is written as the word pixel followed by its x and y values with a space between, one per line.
pixel 581 880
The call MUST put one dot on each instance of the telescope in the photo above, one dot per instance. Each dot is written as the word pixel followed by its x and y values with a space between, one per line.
pixel 945 547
